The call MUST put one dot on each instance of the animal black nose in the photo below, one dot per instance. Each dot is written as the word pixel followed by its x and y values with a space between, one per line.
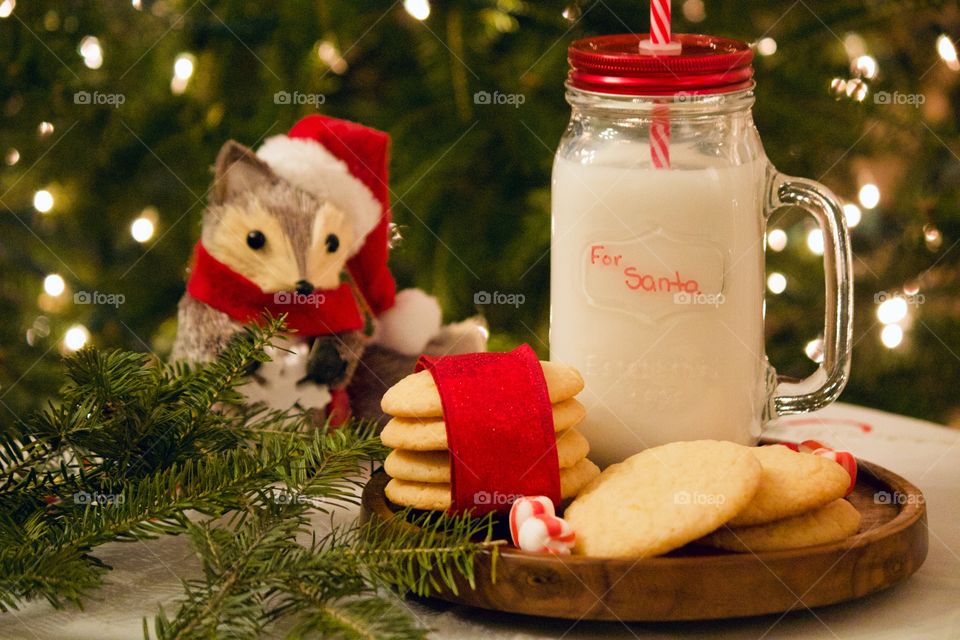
pixel 304 287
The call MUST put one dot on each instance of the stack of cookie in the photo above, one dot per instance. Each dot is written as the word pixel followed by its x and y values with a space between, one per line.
pixel 718 494
pixel 419 465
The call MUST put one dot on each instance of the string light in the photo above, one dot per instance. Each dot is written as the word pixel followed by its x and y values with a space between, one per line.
pixel 815 241
pixel 6 8
pixel 857 89
pixel 12 157
pixel 869 195
pixel 932 237
pixel 571 12
pixel 838 88
pixel 330 56
pixel 76 338
pixel 853 214
pixel 183 68
pixel 891 336
pixel 767 46
pixel 892 310
pixel 777 283
pixel 814 350
pixel 137 4
pixel 693 10
pixel 91 52
pixel 854 45
pixel 142 229
pixel 44 129
pixel 54 285
pixel 43 201
pixel 419 9
pixel 777 240
pixel 865 66
pixel 948 52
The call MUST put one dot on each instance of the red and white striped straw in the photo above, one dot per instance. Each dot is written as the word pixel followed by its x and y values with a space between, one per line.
pixel 660 43
pixel 660 137
pixel 660 21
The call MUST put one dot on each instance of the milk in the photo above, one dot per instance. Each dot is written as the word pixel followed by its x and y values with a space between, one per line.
pixel 657 283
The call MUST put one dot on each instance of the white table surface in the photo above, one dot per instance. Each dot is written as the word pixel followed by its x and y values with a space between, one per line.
pixel 147 574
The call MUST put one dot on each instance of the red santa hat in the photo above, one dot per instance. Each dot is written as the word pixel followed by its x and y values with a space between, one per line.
pixel 346 163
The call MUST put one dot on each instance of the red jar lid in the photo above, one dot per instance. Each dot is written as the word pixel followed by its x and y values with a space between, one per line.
pixel 615 65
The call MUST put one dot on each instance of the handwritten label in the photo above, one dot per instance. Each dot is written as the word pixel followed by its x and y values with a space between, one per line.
pixel 653 275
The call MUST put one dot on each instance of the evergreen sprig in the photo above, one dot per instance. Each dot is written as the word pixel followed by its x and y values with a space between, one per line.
pixel 136 449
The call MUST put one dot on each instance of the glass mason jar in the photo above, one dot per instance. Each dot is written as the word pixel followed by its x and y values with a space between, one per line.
pixel 660 197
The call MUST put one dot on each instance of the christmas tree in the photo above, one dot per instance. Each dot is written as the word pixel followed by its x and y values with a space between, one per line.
pixel 112 114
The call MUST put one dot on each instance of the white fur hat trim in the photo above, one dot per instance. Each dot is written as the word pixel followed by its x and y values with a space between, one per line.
pixel 410 323
pixel 309 166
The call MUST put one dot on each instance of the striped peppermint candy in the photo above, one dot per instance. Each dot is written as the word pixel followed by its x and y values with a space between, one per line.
pixel 534 526
pixel 524 508
pixel 544 533
pixel 844 458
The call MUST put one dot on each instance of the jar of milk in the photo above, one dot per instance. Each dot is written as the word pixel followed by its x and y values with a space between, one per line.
pixel 661 193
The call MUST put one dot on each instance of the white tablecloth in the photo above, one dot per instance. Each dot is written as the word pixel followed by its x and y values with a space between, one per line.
pixel 927 605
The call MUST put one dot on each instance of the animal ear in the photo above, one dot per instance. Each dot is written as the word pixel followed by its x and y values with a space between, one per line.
pixel 239 170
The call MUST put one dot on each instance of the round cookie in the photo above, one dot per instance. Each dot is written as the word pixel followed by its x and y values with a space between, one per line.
pixel 435 496
pixel 430 434
pixel 416 396
pixel 834 522
pixel 663 498
pixel 792 483
pixel 434 466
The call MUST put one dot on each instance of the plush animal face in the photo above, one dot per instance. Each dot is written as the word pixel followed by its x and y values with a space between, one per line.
pixel 270 232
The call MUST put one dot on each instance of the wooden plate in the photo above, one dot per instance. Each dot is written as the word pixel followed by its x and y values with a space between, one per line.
pixel 699 584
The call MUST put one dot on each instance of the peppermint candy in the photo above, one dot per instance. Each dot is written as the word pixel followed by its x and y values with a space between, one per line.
pixel 534 526
pixel 844 458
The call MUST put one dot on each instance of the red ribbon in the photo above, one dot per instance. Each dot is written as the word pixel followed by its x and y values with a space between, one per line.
pixel 321 313
pixel 499 428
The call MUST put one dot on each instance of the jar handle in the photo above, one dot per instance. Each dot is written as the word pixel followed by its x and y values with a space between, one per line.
pixel 825 384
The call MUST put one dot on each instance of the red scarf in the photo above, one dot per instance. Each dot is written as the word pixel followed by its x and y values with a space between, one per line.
pixel 321 313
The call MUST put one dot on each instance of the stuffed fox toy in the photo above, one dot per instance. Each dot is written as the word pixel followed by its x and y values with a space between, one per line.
pixel 301 228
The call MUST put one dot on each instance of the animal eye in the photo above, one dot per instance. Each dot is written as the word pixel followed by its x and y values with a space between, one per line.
pixel 333 243
pixel 256 240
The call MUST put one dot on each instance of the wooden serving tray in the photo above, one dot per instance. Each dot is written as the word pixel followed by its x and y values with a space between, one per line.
pixel 701 584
